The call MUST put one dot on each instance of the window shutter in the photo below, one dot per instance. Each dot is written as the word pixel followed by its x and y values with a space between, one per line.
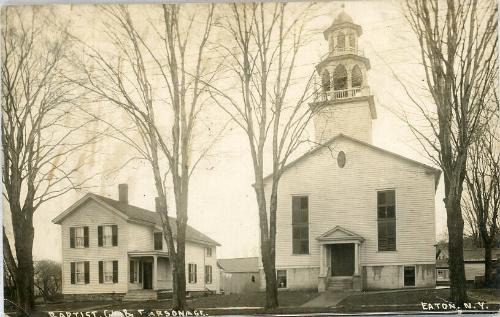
pixel 132 268
pixel 101 272
pixel 71 237
pixel 195 274
pixel 295 209
pixel 73 273
pixel 87 272
pixel 86 237
pixel 99 236
pixel 140 271
pixel 114 229
pixel 115 271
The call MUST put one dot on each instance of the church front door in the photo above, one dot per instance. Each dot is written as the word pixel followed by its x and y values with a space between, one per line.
pixel 342 259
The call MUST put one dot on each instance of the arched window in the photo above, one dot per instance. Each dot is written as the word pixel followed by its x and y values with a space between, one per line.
pixel 356 77
pixel 340 78
pixel 325 81
pixel 340 40
pixel 352 43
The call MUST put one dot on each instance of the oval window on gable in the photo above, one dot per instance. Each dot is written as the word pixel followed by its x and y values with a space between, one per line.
pixel 341 159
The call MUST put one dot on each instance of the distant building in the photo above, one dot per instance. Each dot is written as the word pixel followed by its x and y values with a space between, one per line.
pixel 473 264
pixel 111 248
pixel 352 215
pixel 239 275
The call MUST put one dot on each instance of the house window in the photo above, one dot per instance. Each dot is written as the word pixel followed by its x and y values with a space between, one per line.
pixel 281 278
pixel 80 272
pixel 386 218
pixel 209 252
pixel 107 235
pixel 442 274
pixel 409 275
pixel 192 273
pixel 208 274
pixel 158 237
pixel 300 224
pixel 108 271
pixel 79 237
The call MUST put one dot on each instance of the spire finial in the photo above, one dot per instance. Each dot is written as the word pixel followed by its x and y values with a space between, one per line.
pixel 342 6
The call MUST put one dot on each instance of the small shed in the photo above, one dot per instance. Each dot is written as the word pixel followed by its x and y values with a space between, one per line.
pixel 473 264
pixel 239 275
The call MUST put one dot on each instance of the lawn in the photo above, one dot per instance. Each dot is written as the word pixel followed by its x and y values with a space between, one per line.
pixel 412 300
pixel 290 302
pixel 256 299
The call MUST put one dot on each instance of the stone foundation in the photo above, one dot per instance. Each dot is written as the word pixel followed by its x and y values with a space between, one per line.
pixel 92 297
pixel 392 276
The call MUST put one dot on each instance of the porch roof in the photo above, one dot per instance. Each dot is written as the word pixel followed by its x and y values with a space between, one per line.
pixel 138 254
pixel 339 235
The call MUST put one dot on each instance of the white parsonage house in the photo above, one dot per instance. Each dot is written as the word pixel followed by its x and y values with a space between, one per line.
pixel 350 214
pixel 111 248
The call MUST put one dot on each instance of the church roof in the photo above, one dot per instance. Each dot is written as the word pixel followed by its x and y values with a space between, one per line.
pixel 341 21
pixel 342 17
pixel 435 171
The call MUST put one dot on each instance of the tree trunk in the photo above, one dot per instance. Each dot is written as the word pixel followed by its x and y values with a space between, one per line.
pixel 458 289
pixel 179 274
pixel 23 239
pixel 488 265
pixel 270 273
pixel 268 258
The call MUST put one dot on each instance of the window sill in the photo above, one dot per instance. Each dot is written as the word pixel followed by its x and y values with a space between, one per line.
pixel 300 254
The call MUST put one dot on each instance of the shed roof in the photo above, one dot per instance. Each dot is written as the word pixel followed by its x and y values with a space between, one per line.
pixel 240 265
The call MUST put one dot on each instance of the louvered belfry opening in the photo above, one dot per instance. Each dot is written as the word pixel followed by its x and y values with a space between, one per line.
pixel 340 78
pixel 357 77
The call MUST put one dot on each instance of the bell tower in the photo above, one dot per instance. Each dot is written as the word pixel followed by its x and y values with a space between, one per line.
pixel 343 103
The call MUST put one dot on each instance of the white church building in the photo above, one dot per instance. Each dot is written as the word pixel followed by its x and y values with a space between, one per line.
pixel 352 215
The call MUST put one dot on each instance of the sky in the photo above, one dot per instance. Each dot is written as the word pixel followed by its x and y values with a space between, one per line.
pixel 222 201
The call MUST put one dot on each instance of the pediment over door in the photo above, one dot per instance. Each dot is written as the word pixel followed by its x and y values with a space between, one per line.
pixel 340 235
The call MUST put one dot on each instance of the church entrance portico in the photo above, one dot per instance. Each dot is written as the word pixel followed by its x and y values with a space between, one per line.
pixel 339 259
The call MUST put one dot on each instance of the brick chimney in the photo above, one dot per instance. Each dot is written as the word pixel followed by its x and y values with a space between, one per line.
pixel 123 193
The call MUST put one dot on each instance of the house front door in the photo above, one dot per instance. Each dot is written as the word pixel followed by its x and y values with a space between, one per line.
pixel 342 260
pixel 148 275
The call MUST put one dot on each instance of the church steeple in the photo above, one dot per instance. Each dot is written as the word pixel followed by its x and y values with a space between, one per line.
pixel 343 102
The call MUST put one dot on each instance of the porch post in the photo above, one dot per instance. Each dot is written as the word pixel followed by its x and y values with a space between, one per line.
pixel 322 260
pixel 356 258
pixel 155 273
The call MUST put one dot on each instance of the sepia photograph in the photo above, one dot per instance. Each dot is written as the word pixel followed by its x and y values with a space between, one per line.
pixel 291 158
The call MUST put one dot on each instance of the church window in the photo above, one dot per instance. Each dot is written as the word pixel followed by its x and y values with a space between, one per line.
pixel 357 77
pixel 386 218
pixel 409 276
pixel 325 81
pixel 281 278
pixel 300 224
pixel 340 78
pixel 341 159
pixel 340 41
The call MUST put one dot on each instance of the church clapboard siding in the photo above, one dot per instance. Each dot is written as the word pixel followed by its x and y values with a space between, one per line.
pixel 341 178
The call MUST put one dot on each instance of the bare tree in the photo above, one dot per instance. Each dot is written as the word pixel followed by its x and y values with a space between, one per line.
pixel 458 41
pixel 48 278
pixel 40 130
pixel 483 192
pixel 160 82
pixel 265 41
